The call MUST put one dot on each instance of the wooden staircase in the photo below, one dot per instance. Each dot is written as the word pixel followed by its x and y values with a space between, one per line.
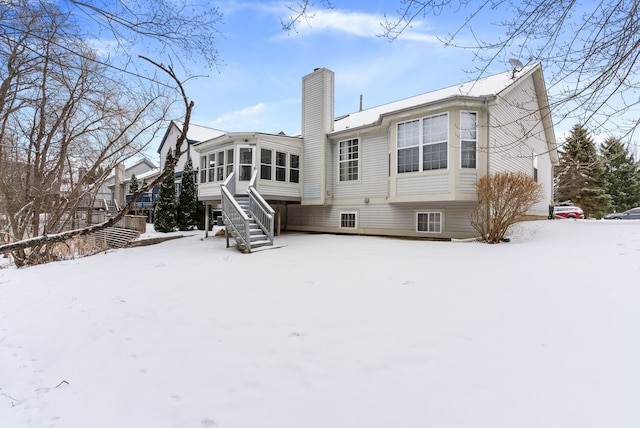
pixel 257 237
pixel 248 219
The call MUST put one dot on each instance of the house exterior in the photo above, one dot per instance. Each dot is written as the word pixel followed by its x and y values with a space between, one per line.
pixel 195 135
pixel 406 168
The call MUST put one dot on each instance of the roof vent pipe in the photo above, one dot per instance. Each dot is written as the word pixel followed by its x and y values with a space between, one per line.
pixel 360 102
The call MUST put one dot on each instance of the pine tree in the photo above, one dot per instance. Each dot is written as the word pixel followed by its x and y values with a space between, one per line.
pixel 134 184
pixel 165 213
pixel 581 174
pixel 187 212
pixel 622 175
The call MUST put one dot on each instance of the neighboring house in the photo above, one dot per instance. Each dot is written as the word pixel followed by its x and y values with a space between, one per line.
pixel 116 186
pixel 406 168
pixel 195 135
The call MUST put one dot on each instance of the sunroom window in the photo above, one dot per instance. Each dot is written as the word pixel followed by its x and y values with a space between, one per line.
pixel 212 167
pixel 265 164
pixel 294 168
pixel 281 166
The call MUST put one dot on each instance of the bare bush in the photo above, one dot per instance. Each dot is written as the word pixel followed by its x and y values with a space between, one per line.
pixel 503 198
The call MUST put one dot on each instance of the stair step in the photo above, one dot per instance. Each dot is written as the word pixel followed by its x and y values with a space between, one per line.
pixel 260 243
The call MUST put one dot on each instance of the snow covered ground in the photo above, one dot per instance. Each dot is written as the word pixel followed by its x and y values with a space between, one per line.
pixel 331 332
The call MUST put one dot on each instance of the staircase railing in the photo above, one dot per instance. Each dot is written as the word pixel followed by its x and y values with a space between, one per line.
pixel 238 221
pixel 260 210
pixel 233 215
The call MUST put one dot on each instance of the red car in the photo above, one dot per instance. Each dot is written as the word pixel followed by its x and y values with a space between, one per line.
pixel 567 212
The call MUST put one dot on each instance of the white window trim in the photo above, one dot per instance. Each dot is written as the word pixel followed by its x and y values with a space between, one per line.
pixel 355 213
pixel 285 166
pixel 477 115
pixel 421 144
pixel 270 164
pixel 441 213
pixel 290 168
pixel 358 172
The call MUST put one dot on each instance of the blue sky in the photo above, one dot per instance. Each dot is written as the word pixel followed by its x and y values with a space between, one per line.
pixel 257 87
pixel 257 84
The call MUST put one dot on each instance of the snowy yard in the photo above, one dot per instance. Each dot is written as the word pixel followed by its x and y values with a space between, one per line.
pixel 331 332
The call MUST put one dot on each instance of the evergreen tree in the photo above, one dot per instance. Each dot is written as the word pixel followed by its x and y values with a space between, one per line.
pixel 134 184
pixel 581 174
pixel 187 212
pixel 622 175
pixel 165 213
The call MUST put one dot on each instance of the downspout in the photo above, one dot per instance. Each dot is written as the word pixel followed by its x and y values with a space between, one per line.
pixel 486 107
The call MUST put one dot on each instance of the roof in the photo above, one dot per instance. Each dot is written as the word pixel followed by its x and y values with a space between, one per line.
pixel 195 134
pixel 143 160
pixel 249 134
pixel 484 87
pixel 147 174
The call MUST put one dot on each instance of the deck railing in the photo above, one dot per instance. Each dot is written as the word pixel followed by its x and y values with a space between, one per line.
pixel 237 221
pixel 261 211
pixel 233 215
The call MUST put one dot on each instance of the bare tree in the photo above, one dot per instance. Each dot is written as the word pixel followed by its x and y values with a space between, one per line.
pixel 38 245
pixel 590 50
pixel 63 110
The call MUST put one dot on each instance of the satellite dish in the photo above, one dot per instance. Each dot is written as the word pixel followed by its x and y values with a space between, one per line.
pixel 516 64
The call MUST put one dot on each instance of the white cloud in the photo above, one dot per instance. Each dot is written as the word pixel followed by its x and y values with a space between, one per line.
pixel 356 24
pixel 243 119
pixel 104 48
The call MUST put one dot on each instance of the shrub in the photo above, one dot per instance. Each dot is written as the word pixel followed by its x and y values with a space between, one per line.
pixel 502 199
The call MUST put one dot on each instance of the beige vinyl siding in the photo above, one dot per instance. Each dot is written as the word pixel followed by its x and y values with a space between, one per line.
pixel 373 170
pixel 274 188
pixel 209 191
pixel 383 219
pixel 331 164
pixel 317 120
pixel 516 130
pixel 468 180
pixel 313 141
pixel 423 183
pixel 516 134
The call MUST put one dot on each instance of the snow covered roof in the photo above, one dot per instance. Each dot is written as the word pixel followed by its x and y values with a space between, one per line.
pixel 147 174
pixel 200 133
pixel 486 86
pixel 196 133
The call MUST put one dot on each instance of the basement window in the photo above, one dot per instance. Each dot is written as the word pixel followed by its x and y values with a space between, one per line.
pixel 348 220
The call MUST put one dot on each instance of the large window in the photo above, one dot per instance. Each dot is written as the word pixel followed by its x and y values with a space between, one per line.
pixel 429 222
pixel 294 169
pixel 203 169
pixel 229 161
pixel 220 167
pixel 435 136
pixel 468 139
pixel 349 159
pixel 212 167
pixel 281 166
pixel 423 144
pixel 409 146
pixel 348 220
pixel 265 164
